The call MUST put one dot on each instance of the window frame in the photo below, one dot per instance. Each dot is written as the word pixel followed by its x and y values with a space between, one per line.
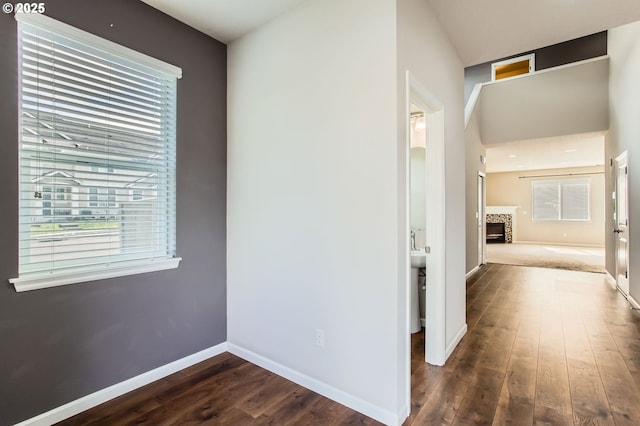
pixel 105 269
pixel 532 66
pixel 559 183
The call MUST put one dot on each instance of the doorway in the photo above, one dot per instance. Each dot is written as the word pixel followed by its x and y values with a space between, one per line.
pixel 423 102
pixel 621 217
pixel 482 231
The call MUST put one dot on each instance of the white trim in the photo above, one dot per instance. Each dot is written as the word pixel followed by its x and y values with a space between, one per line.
pixel 633 302
pixel 501 209
pixel 120 269
pixel 419 95
pixel 86 402
pixel 532 65
pixel 50 24
pixel 481 217
pixel 456 340
pixel 324 389
pixel 549 243
pixel 471 103
pixel 471 272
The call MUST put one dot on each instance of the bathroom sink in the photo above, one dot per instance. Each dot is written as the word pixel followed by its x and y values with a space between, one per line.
pixel 418 259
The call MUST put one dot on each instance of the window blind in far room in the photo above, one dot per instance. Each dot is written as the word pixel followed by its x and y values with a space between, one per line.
pixel 97 157
pixel 561 199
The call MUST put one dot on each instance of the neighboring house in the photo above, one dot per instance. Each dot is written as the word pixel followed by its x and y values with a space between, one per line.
pixel 85 194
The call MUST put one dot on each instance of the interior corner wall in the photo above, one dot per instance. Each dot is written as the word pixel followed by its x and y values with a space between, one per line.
pixel 514 189
pixel 62 343
pixel 474 151
pixel 312 217
pixel 624 134
pixel 425 50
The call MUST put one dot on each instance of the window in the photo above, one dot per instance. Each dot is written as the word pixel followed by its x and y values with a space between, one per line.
pixel 513 67
pixel 97 121
pixel 561 199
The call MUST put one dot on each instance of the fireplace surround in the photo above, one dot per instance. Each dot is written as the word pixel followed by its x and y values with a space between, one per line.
pixel 501 215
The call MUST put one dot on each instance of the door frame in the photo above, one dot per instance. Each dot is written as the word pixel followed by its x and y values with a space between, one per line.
pixel 482 222
pixel 622 283
pixel 435 327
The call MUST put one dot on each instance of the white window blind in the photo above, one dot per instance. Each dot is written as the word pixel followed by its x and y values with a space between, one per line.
pixel 97 157
pixel 561 199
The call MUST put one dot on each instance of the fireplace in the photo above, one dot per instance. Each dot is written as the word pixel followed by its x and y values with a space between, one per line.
pixel 496 233
pixel 505 216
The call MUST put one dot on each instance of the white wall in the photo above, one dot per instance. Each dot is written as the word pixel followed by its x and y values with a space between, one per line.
pixel 568 100
pixel 312 199
pixel 624 134
pixel 425 50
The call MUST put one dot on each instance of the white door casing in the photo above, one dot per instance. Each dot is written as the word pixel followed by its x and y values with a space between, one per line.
pixel 621 220
pixel 482 239
pixel 435 327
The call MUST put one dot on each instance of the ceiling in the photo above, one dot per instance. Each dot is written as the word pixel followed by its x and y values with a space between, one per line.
pixel 480 30
pixel 558 152
pixel 224 20
pixel 484 30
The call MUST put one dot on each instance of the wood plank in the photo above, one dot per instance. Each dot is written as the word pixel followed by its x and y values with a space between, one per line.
pixel 588 398
pixel 622 392
pixel 516 402
pixel 552 399
pixel 289 412
pixel 481 400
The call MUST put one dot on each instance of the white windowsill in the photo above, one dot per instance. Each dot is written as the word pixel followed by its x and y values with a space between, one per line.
pixel 120 269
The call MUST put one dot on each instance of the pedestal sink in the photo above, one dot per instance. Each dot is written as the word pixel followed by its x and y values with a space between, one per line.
pixel 418 260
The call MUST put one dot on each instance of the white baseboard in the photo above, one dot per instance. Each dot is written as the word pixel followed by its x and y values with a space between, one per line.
pixel 471 272
pixel 380 414
pixel 456 340
pixel 86 402
pixel 548 243
pixel 614 284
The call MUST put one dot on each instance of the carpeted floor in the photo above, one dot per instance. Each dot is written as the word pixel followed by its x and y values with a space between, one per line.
pixel 587 259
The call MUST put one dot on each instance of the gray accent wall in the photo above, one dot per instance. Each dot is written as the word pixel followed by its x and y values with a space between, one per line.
pixel 62 343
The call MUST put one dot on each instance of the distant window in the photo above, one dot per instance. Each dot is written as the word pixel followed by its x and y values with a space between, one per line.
pixel 561 199
pixel 513 67
pixel 96 119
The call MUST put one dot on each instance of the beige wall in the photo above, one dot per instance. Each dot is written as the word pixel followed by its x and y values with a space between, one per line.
pixel 509 189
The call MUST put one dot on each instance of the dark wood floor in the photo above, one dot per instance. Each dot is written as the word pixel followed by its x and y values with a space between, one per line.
pixel 224 390
pixel 544 346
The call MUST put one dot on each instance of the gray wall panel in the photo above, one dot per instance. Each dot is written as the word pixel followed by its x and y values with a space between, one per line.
pixel 62 343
